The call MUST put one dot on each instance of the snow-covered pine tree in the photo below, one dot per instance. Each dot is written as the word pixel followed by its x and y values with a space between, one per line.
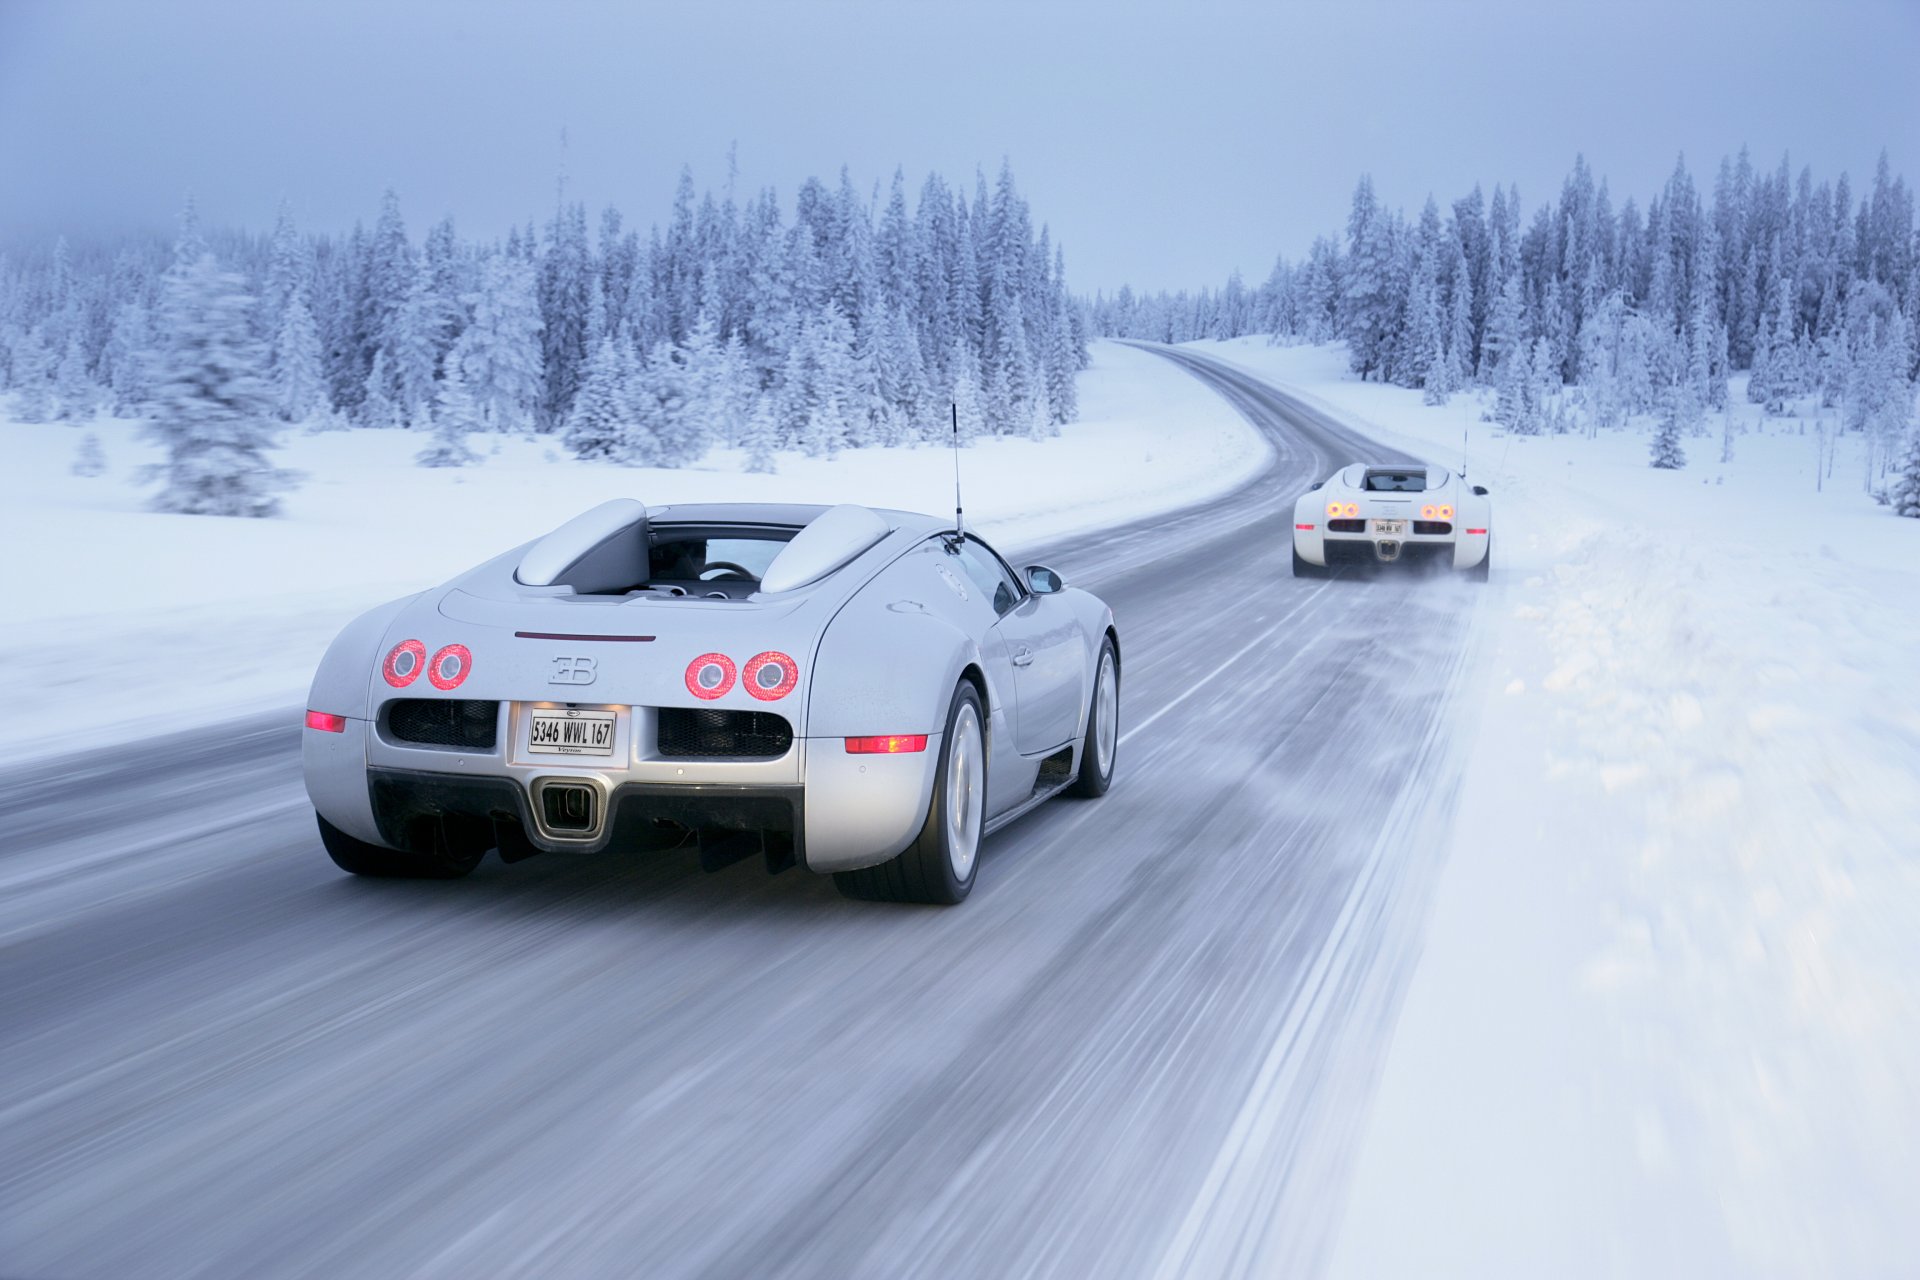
pixel 1513 381
pixel 212 411
pixel 500 349
pixel 1667 455
pixel 377 408
pixel 1063 396
pixel 455 417
pixel 298 386
pixel 73 384
pixel 833 389
pixel 603 409
pixel 89 460
pixel 127 341
pixel 967 399
pixel 761 436
pixel 32 378
pixel 1904 494
pixel 666 430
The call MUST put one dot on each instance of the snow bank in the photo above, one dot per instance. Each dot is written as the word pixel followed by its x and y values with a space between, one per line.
pixel 118 619
pixel 1666 1021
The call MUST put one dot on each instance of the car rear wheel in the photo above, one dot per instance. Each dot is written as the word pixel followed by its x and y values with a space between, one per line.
pixel 1481 571
pixel 1102 741
pixel 939 866
pixel 445 859
pixel 1303 568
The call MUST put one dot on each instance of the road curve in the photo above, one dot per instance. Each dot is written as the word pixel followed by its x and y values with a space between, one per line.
pixel 1141 1048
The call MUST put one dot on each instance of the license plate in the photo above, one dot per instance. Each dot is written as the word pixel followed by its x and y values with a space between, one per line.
pixel 572 733
pixel 1393 528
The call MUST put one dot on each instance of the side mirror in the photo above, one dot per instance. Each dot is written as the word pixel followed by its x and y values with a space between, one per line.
pixel 1479 492
pixel 1043 581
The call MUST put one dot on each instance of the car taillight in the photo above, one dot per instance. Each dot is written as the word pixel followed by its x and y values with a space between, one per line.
pixel 1446 511
pixel 1307 527
pixel 887 744
pixel 326 723
pixel 770 676
pixel 450 666
pixel 710 676
pixel 1476 531
pixel 1337 509
pixel 403 663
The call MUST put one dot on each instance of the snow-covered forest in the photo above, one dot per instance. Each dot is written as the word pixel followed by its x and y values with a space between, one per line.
pixel 1581 316
pixel 854 322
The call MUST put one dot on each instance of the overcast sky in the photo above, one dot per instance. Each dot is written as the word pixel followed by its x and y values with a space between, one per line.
pixel 1166 143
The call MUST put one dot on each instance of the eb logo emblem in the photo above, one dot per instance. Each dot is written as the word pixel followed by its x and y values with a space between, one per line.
pixel 572 671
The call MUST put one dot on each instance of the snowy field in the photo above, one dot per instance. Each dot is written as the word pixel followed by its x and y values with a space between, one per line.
pixel 1666 1020
pixel 121 620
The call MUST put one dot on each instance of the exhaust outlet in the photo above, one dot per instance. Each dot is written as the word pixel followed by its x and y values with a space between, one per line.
pixel 1387 550
pixel 569 808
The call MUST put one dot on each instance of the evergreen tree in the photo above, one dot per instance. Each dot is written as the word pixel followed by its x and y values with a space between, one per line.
pixel 455 417
pixel 377 409
pixel 666 431
pixel 1904 495
pixel 73 384
pixel 602 412
pixel 762 433
pixel 32 379
pixel 499 351
pixel 1667 455
pixel 211 410
pixel 298 388
pixel 127 341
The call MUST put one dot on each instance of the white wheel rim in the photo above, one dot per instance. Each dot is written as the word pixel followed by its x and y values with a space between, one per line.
pixel 964 760
pixel 1106 714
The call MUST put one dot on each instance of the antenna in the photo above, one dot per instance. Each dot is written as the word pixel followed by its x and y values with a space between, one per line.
pixel 959 525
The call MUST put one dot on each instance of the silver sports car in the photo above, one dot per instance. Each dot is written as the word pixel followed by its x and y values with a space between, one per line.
pixel 859 692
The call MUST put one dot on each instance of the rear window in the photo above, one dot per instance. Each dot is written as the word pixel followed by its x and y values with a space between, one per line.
pixel 701 555
pixel 1396 481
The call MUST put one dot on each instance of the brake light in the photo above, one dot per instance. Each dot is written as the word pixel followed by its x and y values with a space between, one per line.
pixel 1446 511
pixel 770 676
pixel 326 723
pixel 1482 531
pixel 1429 512
pixel 887 744
pixel 710 676
pixel 403 663
pixel 1337 509
pixel 1307 527
pixel 450 666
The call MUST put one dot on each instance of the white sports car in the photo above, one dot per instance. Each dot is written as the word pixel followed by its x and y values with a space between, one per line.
pixel 865 693
pixel 1419 515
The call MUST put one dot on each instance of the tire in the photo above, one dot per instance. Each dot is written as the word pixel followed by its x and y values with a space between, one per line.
pixel 1306 568
pixel 1100 747
pixel 443 862
pixel 1481 571
pixel 940 865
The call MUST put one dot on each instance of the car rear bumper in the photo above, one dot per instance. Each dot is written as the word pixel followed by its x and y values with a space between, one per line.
pixel 1456 551
pixel 406 804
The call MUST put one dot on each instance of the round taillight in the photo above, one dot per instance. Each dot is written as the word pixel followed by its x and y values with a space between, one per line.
pixel 770 676
pixel 710 676
pixel 1333 511
pixel 450 666
pixel 1446 512
pixel 1428 512
pixel 403 663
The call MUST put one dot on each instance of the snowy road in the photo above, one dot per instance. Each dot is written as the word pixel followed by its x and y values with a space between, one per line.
pixel 1142 1047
